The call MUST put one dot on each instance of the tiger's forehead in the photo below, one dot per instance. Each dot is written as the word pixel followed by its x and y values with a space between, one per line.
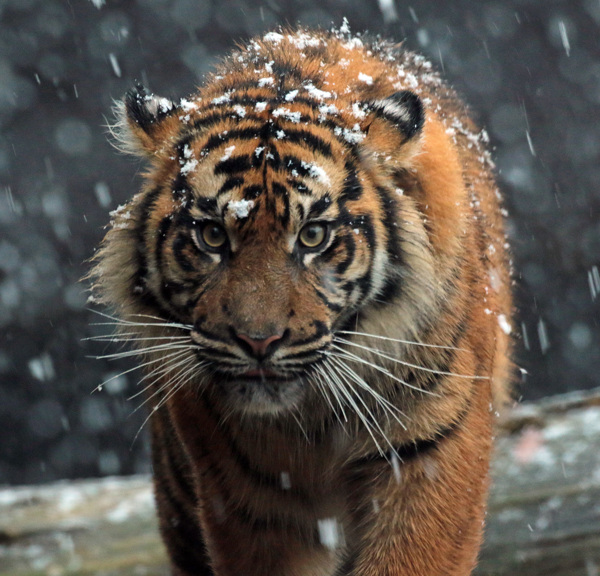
pixel 286 174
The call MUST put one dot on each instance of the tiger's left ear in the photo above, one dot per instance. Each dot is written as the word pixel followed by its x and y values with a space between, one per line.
pixel 396 126
pixel 140 121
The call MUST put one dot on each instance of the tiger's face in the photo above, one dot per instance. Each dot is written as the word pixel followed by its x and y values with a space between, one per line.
pixel 265 250
pixel 269 226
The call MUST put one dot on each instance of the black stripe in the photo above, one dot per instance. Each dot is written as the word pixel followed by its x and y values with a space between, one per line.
pixel 273 157
pixel 305 137
pixel 350 246
pixel 319 206
pixel 412 450
pixel 271 102
pixel 258 477
pixel 230 184
pixel 252 192
pixel 300 187
pixel 181 242
pixel 349 563
pixel 331 252
pixel 207 352
pixel 177 464
pixel 204 122
pixel 279 190
pixel 389 207
pixel 392 286
pixel 291 163
pixel 365 223
pixel 217 140
pixel 285 217
pixel 216 114
pixel 233 165
pixel 409 104
pixel 311 140
pixel 304 354
pixel 206 204
pixel 161 237
pixel 332 306
pixel 180 529
pixel 143 218
pixel 143 211
pixel 353 189
pixel 181 185
pixel 320 331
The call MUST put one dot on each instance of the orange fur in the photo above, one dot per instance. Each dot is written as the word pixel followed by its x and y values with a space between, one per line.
pixel 357 442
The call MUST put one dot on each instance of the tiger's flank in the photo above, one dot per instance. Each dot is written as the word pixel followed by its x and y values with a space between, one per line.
pixel 315 279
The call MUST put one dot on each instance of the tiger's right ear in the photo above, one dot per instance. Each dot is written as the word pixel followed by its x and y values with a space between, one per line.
pixel 140 116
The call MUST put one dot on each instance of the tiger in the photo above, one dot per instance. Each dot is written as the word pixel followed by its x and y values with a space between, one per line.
pixel 316 279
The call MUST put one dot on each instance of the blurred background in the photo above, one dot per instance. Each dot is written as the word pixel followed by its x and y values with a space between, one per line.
pixel 530 70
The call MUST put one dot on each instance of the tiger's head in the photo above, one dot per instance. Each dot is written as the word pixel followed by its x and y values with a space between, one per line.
pixel 271 216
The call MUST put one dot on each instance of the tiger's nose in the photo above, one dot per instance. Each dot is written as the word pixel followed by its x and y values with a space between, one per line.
pixel 261 347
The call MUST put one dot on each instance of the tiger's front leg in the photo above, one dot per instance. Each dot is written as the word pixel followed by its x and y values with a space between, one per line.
pixel 176 501
pixel 425 517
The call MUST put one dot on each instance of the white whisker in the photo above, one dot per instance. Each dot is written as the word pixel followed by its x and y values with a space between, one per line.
pixel 355 358
pixel 325 387
pixel 182 359
pixel 295 417
pixel 129 324
pixel 156 348
pixel 342 381
pixel 168 383
pixel 122 322
pixel 137 367
pixel 177 384
pixel 125 337
pixel 409 342
pixel 381 400
pixel 409 364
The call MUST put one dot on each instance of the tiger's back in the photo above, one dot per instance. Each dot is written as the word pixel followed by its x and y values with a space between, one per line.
pixel 317 277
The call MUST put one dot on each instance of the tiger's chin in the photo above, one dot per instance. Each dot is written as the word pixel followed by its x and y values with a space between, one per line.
pixel 259 395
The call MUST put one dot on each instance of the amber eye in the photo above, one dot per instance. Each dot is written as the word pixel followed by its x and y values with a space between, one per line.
pixel 313 235
pixel 212 235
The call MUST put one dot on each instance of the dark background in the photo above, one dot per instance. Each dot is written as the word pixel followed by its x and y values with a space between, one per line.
pixel 530 70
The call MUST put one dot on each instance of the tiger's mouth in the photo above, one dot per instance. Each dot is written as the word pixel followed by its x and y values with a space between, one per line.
pixel 262 390
pixel 262 374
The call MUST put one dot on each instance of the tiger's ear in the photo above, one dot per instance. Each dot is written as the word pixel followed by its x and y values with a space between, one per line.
pixel 140 117
pixel 396 126
pixel 404 110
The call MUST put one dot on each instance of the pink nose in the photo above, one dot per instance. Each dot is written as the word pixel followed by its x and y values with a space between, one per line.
pixel 259 346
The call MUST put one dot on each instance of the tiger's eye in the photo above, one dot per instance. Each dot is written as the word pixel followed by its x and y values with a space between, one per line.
pixel 213 235
pixel 313 235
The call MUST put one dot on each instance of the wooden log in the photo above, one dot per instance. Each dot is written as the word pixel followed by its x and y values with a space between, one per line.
pixel 544 513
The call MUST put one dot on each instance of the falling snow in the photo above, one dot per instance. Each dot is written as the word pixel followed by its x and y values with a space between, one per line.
pixel 56 185
pixel 330 533
pixel 504 324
